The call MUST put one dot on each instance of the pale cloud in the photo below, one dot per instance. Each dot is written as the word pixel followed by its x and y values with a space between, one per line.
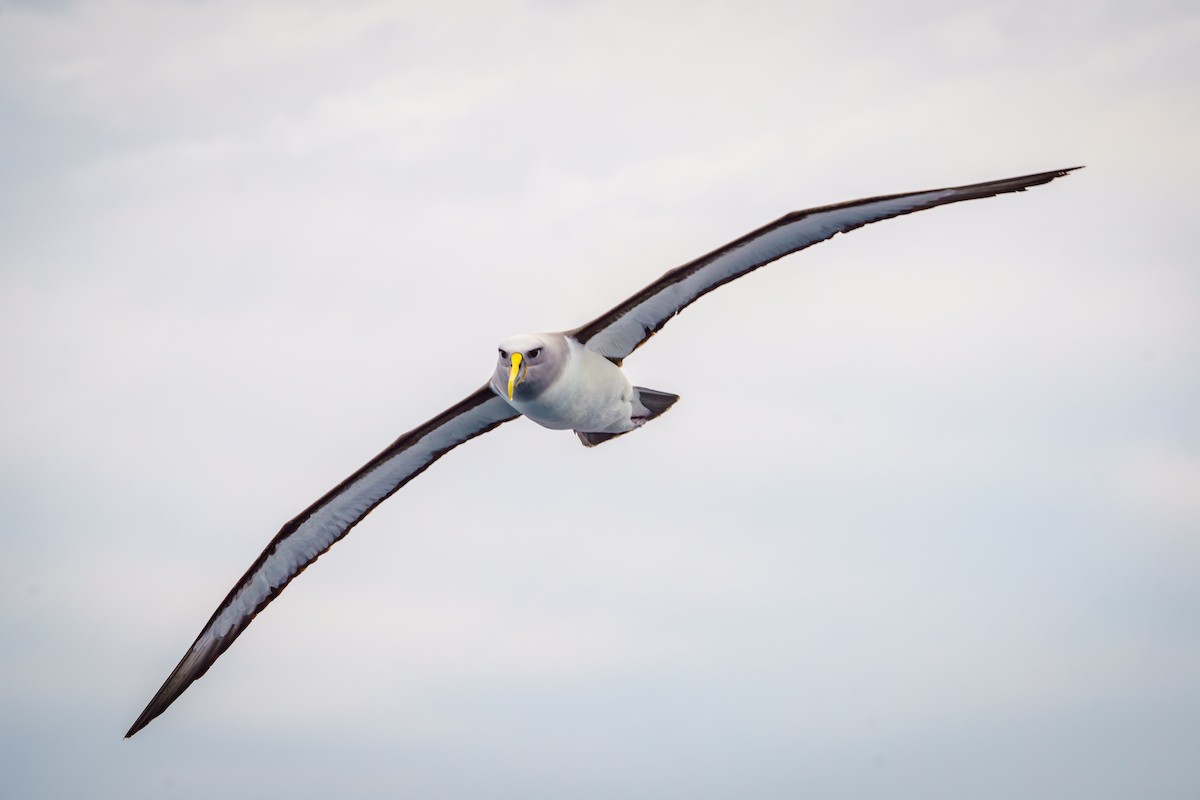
pixel 1162 480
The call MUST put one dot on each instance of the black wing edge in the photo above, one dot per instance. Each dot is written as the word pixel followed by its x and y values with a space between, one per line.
pixel 973 191
pixel 193 665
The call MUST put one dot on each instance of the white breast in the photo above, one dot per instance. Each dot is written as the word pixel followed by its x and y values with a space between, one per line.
pixel 590 394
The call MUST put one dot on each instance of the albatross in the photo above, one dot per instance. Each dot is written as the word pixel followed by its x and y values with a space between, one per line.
pixel 569 380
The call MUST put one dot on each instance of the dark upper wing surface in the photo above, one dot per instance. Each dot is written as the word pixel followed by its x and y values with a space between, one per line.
pixel 621 330
pixel 314 531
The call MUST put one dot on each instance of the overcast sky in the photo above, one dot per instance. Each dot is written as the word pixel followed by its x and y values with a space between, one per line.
pixel 925 523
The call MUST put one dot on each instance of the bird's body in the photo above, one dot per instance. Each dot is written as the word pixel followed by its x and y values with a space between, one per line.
pixel 562 385
pixel 565 381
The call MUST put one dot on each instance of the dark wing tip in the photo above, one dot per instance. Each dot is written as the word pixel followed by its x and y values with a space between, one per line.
pixel 192 666
pixel 141 722
pixel 974 191
pixel 1039 178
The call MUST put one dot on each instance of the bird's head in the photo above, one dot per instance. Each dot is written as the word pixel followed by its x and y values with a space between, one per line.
pixel 527 363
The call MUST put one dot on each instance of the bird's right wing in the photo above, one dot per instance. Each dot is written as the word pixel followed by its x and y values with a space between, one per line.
pixel 326 521
pixel 619 331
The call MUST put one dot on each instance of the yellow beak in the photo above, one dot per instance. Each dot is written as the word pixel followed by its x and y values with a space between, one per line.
pixel 513 372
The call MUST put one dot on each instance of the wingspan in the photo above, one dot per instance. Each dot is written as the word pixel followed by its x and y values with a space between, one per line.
pixel 301 541
pixel 621 330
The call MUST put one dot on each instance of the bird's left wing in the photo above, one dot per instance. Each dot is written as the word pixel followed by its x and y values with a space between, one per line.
pixel 621 330
pixel 314 531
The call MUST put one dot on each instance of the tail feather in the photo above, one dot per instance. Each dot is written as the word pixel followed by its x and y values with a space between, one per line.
pixel 655 402
pixel 593 439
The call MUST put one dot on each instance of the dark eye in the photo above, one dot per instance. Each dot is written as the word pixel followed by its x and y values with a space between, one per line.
pixel 503 354
pixel 534 352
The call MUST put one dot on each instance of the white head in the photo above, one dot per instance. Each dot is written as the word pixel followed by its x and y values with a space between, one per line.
pixel 528 363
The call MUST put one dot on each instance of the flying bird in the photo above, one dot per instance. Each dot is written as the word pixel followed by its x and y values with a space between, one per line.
pixel 565 381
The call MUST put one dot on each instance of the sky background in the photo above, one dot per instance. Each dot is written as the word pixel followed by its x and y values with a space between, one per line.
pixel 925 523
